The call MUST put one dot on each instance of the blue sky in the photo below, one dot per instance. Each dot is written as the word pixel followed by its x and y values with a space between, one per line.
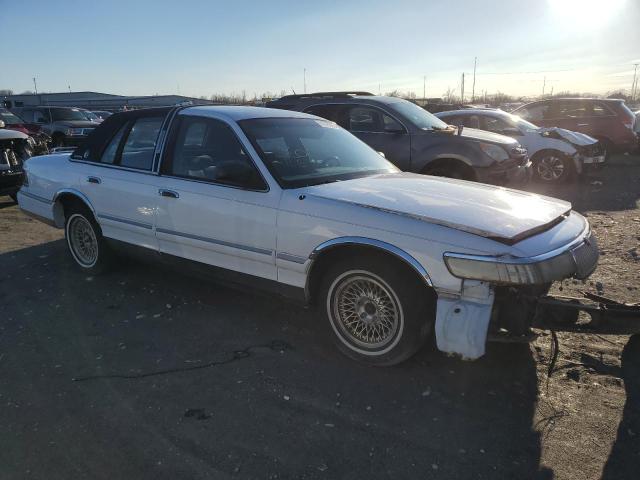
pixel 198 47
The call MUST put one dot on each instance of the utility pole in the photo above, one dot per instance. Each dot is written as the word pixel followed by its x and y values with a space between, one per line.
pixel 634 85
pixel 69 87
pixel 424 89
pixel 462 89
pixel 473 89
pixel 35 85
pixel 544 84
pixel 305 80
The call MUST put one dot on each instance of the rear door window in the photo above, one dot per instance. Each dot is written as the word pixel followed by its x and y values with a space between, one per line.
pixel 140 144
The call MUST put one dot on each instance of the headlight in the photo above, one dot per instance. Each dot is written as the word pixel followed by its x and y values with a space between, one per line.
pixel 74 131
pixel 513 271
pixel 497 153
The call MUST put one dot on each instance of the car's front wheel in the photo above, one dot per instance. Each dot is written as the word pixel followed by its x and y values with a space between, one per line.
pixel 86 244
pixel 553 167
pixel 378 311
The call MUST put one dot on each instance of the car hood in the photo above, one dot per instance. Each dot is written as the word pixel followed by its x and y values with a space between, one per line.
pixel 574 138
pixel 498 213
pixel 484 136
pixel 6 134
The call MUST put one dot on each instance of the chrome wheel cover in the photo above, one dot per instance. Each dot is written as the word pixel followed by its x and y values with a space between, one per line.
pixel 82 240
pixel 365 312
pixel 550 168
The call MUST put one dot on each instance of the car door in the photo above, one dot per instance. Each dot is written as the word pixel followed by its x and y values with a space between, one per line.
pixel 121 184
pixel 214 205
pixel 382 132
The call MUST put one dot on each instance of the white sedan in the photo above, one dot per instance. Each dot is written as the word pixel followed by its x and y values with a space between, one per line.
pixel 292 203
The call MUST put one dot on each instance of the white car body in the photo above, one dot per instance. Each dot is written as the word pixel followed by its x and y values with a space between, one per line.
pixel 278 234
pixel 537 140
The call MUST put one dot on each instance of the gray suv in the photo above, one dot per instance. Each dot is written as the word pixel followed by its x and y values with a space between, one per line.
pixel 66 126
pixel 415 140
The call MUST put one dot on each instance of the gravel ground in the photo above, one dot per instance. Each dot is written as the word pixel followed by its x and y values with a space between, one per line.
pixel 296 408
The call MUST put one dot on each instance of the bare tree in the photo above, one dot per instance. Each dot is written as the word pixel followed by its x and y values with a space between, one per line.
pixel 6 92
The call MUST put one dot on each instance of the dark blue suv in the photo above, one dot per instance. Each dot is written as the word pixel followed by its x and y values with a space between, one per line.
pixel 415 140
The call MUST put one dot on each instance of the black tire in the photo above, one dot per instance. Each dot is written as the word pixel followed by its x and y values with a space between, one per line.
pixel 391 288
pixel 84 236
pixel 552 167
pixel 57 140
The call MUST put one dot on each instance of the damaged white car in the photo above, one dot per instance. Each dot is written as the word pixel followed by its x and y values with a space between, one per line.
pixel 557 154
pixel 294 204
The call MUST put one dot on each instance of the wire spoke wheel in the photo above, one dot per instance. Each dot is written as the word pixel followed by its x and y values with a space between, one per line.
pixel 365 312
pixel 550 168
pixel 83 241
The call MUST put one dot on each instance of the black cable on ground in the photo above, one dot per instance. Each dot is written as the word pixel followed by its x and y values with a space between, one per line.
pixel 275 345
pixel 555 349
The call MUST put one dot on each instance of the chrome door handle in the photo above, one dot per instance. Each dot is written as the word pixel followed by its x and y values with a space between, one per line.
pixel 94 180
pixel 583 124
pixel 168 193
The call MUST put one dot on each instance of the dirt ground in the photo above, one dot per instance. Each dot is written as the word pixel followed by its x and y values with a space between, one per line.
pixel 272 398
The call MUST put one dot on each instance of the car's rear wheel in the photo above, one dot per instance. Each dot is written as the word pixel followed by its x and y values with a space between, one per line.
pixel 378 312
pixel 86 244
pixel 57 140
pixel 553 167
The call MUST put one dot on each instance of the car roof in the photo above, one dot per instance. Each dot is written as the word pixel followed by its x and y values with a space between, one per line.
pixel 329 97
pixel 237 113
pixel 472 111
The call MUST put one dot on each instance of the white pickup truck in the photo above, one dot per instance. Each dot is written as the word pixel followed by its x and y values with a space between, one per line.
pixel 294 204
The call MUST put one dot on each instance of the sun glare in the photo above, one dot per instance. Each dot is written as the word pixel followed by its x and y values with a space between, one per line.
pixel 593 12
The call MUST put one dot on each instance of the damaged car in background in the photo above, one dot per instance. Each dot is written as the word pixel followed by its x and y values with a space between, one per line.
pixel 557 154
pixel 15 149
pixel 293 204
pixel 39 145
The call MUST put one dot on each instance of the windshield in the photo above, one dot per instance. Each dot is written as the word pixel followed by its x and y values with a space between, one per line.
pixel 301 152
pixel 418 116
pixel 521 122
pixel 63 114
pixel 9 118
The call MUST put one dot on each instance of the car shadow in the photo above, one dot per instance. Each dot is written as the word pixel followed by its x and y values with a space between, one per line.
pixel 6 202
pixel 616 187
pixel 214 397
pixel 626 448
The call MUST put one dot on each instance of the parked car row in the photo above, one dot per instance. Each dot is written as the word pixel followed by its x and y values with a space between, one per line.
pixel 292 203
pixel 414 139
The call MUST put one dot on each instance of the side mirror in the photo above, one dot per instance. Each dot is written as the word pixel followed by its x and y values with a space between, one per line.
pixel 237 173
pixel 397 129
pixel 2 124
pixel 511 132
